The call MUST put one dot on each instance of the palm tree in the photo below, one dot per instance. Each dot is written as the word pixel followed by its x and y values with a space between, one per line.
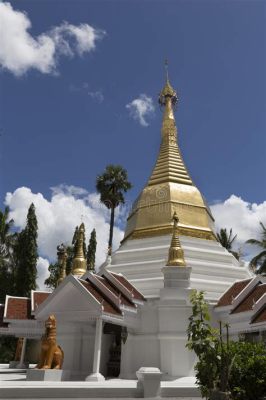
pixel 227 241
pixel 112 185
pixel 258 263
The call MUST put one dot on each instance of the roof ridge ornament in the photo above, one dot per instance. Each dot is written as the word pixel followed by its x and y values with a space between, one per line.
pixel 176 253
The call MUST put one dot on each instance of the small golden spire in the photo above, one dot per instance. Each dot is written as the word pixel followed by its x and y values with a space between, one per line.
pixel 176 253
pixel 168 94
pixel 62 259
pixel 79 262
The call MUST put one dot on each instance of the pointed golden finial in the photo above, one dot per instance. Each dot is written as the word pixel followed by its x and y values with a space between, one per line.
pixel 168 94
pixel 79 262
pixel 176 253
pixel 62 259
pixel 166 69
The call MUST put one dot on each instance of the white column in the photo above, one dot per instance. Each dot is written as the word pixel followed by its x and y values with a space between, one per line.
pixel 96 376
pixel 97 346
pixel 22 355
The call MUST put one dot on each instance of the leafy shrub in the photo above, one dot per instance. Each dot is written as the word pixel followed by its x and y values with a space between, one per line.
pixel 235 368
pixel 247 380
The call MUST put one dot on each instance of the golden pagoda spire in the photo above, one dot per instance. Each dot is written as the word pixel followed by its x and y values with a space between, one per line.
pixel 170 166
pixel 62 259
pixel 79 266
pixel 176 253
pixel 170 187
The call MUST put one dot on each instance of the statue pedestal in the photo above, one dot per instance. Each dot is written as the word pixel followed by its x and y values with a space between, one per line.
pixel 52 375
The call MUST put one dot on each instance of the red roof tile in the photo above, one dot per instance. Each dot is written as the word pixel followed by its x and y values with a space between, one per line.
pixel 261 316
pixel 250 299
pixel 115 291
pixel 18 308
pixel 232 293
pixel 135 293
pixel 107 306
pixel 38 298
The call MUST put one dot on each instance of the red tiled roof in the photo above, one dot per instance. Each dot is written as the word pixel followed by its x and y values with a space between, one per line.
pixel 232 293
pixel 38 298
pixel 135 293
pixel 261 316
pixel 115 291
pixel 2 310
pixel 250 299
pixel 18 308
pixel 107 306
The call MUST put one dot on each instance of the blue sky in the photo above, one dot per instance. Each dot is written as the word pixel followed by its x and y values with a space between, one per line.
pixel 53 132
pixel 79 83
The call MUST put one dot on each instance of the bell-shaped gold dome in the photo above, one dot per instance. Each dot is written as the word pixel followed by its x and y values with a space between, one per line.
pixel 170 189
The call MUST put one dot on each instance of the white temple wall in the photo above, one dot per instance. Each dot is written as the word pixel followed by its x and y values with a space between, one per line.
pixel 142 348
pixel 77 342
pixel 176 359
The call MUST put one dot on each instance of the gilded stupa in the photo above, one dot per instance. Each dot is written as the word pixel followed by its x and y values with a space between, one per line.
pixel 144 251
pixel 170 188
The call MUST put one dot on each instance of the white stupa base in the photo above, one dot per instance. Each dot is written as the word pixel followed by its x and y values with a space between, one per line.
pixel 214 269
pixel 96 377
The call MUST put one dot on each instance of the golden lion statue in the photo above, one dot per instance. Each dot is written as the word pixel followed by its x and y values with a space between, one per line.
pixel 52 356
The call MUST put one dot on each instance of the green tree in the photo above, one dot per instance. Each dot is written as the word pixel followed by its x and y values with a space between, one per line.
pixel 227 241
pixel 54 269
pixel 26 253
pixel 225 369
pixel 7 264
pixel 112 185
pixel 91 251
pixel 258 263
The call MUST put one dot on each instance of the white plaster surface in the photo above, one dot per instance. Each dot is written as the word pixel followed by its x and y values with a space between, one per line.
pixel 214 269
pixel 13 385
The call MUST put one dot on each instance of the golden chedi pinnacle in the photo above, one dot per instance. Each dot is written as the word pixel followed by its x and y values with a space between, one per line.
pixel 176 253
pixel 62 259
pixel 170 188
pixel 79 266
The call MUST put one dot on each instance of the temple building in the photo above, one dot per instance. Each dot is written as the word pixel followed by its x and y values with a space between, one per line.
pixel 134 312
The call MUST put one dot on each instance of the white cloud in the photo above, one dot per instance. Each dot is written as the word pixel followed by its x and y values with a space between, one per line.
pixel 141 109
pixel 243 218
pixel 98 96
pixel 42 272
pixel 20 51
pixel 58 217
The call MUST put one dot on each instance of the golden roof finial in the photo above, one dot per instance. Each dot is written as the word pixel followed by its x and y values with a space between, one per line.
pixel 176 253
pixel 167 93
pixel 79 262
pixel 62 259
pixel 166 69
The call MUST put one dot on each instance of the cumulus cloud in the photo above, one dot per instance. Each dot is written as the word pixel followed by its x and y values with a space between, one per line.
pixel 243 217
pixel 58 217
pixel 20 51
pixel 42 272
pixel 141 109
